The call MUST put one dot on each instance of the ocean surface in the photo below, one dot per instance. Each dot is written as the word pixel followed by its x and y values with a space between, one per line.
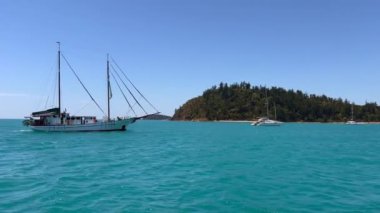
pixel 162 166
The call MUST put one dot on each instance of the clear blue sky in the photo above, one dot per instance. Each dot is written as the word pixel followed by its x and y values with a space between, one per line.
pixel 174 50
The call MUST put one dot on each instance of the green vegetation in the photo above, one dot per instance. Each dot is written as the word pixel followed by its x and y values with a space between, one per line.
pixel 245 102
pixel 157 117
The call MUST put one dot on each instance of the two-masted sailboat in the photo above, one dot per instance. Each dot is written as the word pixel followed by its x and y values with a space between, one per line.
pixel 56 120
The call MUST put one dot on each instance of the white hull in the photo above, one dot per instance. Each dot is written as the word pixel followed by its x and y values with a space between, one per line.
pixel 351 123
pixel 114 125
pixel 355 123
pixel 266 122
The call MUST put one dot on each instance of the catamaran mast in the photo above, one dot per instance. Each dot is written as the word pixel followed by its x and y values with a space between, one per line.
pixel 275 112
pixel 108 89
pixel 267 103
pixel 59 79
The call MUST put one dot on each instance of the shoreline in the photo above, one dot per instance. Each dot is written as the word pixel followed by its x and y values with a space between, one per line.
pixel 290 122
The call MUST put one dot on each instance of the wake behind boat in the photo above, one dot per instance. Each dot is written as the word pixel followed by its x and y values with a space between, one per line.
pixel 54 120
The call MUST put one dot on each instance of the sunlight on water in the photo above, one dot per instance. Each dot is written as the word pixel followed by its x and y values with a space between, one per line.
pixel 183 166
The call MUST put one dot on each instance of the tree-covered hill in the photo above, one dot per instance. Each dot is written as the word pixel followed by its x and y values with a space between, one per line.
pixel 245 102
pixel 157 117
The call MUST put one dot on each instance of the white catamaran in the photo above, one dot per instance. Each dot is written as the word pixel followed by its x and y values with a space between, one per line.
pixel 265 121
pixel 54 120
pixel 352 121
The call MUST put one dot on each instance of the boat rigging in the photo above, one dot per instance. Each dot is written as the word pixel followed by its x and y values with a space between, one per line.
pixel 54 120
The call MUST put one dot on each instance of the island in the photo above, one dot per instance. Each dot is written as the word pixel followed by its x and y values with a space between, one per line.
pixel 243 101
pixel 157 117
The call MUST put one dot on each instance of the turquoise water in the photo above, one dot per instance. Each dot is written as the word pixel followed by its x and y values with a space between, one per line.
pixel 159 166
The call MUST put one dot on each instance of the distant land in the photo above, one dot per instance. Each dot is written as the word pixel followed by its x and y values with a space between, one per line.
pixel 157 117
pixel 242 101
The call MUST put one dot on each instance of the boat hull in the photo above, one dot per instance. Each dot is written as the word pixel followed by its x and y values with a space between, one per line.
pixel 266 122
pixel 355 123
pixel 118 125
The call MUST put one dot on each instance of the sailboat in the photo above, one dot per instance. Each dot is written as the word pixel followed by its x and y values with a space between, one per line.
pixel 265 121
pixel 56 120
pixel 352 121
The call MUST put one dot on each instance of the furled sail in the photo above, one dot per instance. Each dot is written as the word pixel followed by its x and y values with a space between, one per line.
pixel 49 112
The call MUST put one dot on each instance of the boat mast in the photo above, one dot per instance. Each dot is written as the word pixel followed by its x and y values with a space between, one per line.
pixel 267 103
pixel 275 112
pixel 59 79
pixel 108 89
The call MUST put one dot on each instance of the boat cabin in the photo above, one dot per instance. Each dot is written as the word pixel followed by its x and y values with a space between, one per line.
pixel 75 120
pixel 51 117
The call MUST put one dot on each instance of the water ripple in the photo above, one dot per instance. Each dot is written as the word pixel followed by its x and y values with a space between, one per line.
pixel 184 166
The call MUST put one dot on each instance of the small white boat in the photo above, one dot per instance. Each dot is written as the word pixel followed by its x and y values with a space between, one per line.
pixel 54 120
pixel 355 123
pixel 352 121
pixel 265 121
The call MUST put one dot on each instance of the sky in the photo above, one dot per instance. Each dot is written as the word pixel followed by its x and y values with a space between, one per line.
pixel 173 50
